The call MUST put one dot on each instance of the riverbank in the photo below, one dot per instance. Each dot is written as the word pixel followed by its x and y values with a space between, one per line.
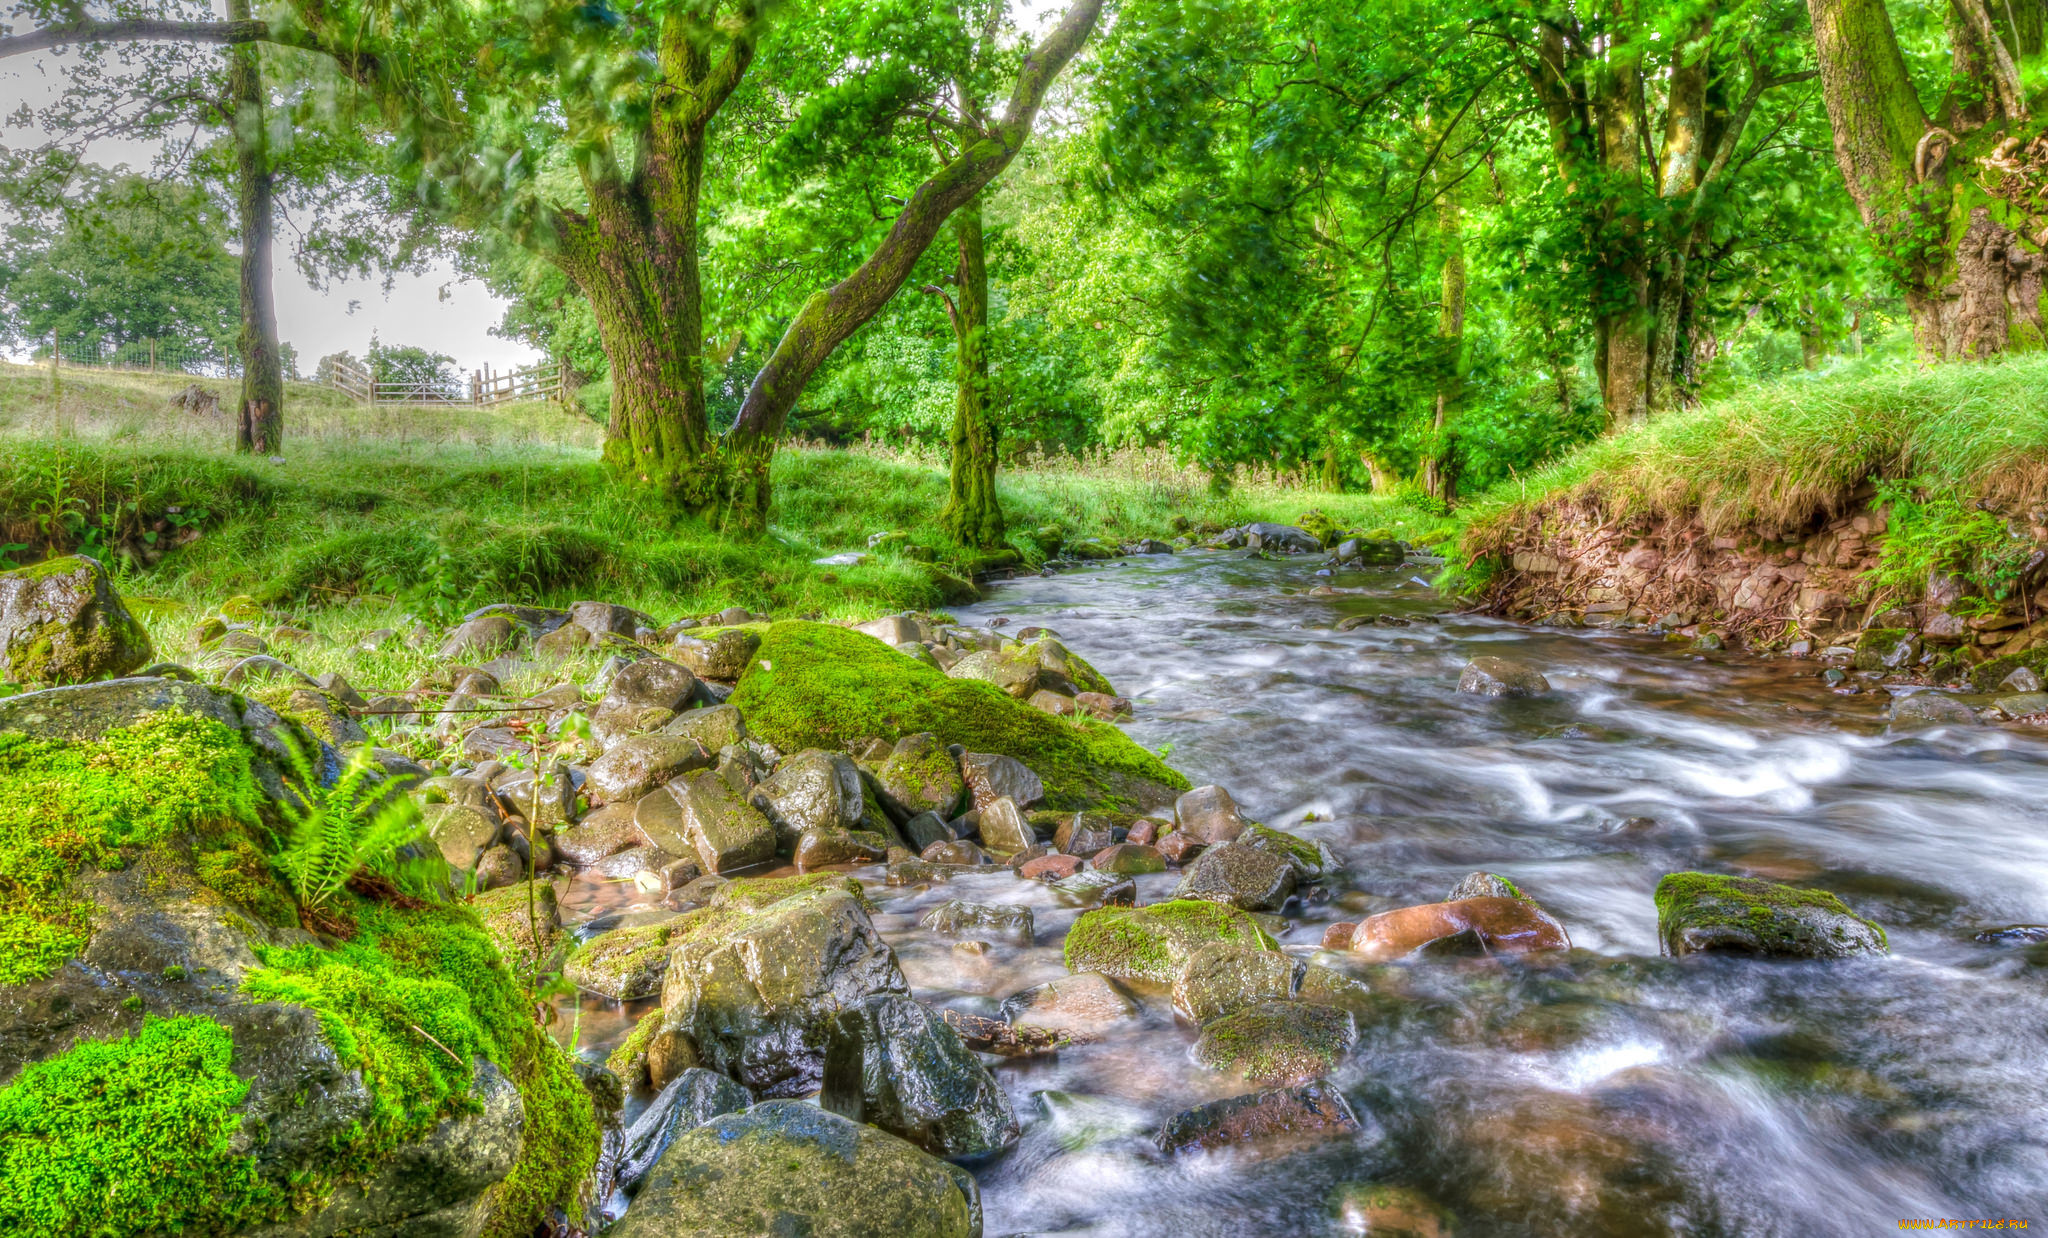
pixel 429 513
pixel 1898 517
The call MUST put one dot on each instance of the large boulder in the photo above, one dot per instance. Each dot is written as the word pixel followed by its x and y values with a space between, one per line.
pixel 633 767
pixel 814 685
pixel 785 1167
pixel 894 1064
pixel 811 790
pixel 685 1103
pixel 721 829
pixel 61 622
pixel 755 991
pixel 1152 943
pixel 1284 538
pixel 1704 912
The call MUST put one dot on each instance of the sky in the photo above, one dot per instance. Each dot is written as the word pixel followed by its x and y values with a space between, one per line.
pixel 437 310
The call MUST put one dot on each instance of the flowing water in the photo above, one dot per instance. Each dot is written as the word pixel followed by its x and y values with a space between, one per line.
pixel 1609 1091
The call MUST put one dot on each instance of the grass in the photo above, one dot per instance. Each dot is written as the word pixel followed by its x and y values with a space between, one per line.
pixel 373 519
pixel 1780 455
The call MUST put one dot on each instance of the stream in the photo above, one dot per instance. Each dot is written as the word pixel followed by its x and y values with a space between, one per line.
pixel 1607 1091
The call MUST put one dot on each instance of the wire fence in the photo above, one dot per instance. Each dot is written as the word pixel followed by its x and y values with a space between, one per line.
pixel 546 380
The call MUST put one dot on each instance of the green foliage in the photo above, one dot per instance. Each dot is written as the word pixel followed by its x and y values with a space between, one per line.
pixel 812 685
pixel 67 805
pixel 357 823
pixel 136 1135
pixel 1931 530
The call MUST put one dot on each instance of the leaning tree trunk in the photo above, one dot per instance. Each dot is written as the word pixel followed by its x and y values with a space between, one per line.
pixel 259 424
pixel 972 516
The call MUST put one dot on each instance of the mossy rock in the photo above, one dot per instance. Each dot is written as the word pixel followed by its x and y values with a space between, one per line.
pixel 1987 676
pixel 759 893
pixel 62 622
pixel 1152 943
pixel 789 1167
pixel 525 922
pixel 628 1062
pixel 138 848
pixel 1277 1044
pixel 817 686
pixel 1702 912
pixel 624 965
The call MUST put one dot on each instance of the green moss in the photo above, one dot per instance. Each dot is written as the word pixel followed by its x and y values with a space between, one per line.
pixel 755 893
pixel 629 1060
pixel 65 805
pixel 240 873
pixel 1756 908
pixel 817 686
pixel 1277 1043
pixel 135 1135
pixel 410 1002
pixel 1988 675
pixel 1151 943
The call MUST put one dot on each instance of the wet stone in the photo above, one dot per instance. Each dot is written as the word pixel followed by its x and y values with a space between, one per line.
pixel 1704 912
pixel 1085 1004
pixel 895 1065
pixel 1084 835
pixel 1004 830
pixel 1208 815
pixel 602 832
pixel 926 828
pixel 1501 677
pixel 1277 1044
pixel 1284 1116
pixel 1050 868
pixel 992 777
pixel 1477 925
pixel 1242 876
pixel 1128 859
pixel 691 1099
pixel 1007 922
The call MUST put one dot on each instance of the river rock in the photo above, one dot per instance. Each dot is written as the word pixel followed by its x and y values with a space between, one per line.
pixel 1010 922
pixel 1208 815
pixel 1484 925
pixel 1050 867
pixel 721 655
pixel 1153 943
pixel 1089 888
pixel 498 867
pixel 1128 860
pixel 481 636
pixel 1281 537
pixel 61 622
pixel 1483 885
pixel 1083 834
pixel 894 1064
pixel 1391 1211
pixel 1084 1004
pixel 785 1167
pixel 689 1100
pixel 991 777
pixel 1240 875
pixel 1180 847
pixel 461 832
pixel 755 991
pixel 1285 1116
pixel 1277 1044
pixel 813 789
pixel 724 831
pixel 650 683
pixel 920 775
pixel 524 921
pixel 925 829
pixel 903 629
pixel 1004 830
pixel 1017 676
pixel 1704 912
pixel 1930 708
pixel 604 832
pixel 624 965
pixel 630 769
pixel 832 844
pixel 1310 861
pixel 716 728
pixel 1498 677
pixel 546 800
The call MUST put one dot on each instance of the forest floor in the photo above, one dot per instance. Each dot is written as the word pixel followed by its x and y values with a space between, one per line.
pixel 374 515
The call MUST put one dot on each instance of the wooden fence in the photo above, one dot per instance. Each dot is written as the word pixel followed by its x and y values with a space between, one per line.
pixel 547 380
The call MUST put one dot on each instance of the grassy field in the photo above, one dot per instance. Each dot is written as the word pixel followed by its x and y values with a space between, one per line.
pixel 375 516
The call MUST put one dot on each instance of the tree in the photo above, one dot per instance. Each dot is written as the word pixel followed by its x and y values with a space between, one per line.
pixel 259 418
pixel 1955 199
pixel 133 260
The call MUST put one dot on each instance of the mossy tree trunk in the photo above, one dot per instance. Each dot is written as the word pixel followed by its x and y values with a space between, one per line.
pixel 1941 199
pixel 259 421
pixel 973 516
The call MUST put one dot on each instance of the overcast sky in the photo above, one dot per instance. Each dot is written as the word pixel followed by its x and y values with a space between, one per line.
pixel 437 310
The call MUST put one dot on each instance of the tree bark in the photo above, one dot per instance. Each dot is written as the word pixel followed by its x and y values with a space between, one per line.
pixel 1439 473
pixel 1625 312
pixel 259 425
pixel 973 516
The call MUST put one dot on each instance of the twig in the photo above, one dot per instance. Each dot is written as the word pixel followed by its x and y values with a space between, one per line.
pixel 438 1045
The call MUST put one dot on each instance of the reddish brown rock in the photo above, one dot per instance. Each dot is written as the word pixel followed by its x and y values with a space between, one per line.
pixel 1338 935
pixel 1179 847
pixel 1286 1116
pixel 1051 868
pixel 1145 832
pixel 1499 925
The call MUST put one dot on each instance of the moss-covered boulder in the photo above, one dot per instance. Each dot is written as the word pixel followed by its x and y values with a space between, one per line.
pixel 1152 943
pixel 920 775
pixel 755 991
pixel 1241 875
pixel 689 1101
pixel 525 922
pixel 1705 912
pixel 624 965
pixel 62 622
pixel 1277 1044
pixel 166 1020
pixel 785 1167
pixel 813 685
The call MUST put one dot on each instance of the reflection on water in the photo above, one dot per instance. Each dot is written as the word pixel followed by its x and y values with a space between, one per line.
pixel 1610 1092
